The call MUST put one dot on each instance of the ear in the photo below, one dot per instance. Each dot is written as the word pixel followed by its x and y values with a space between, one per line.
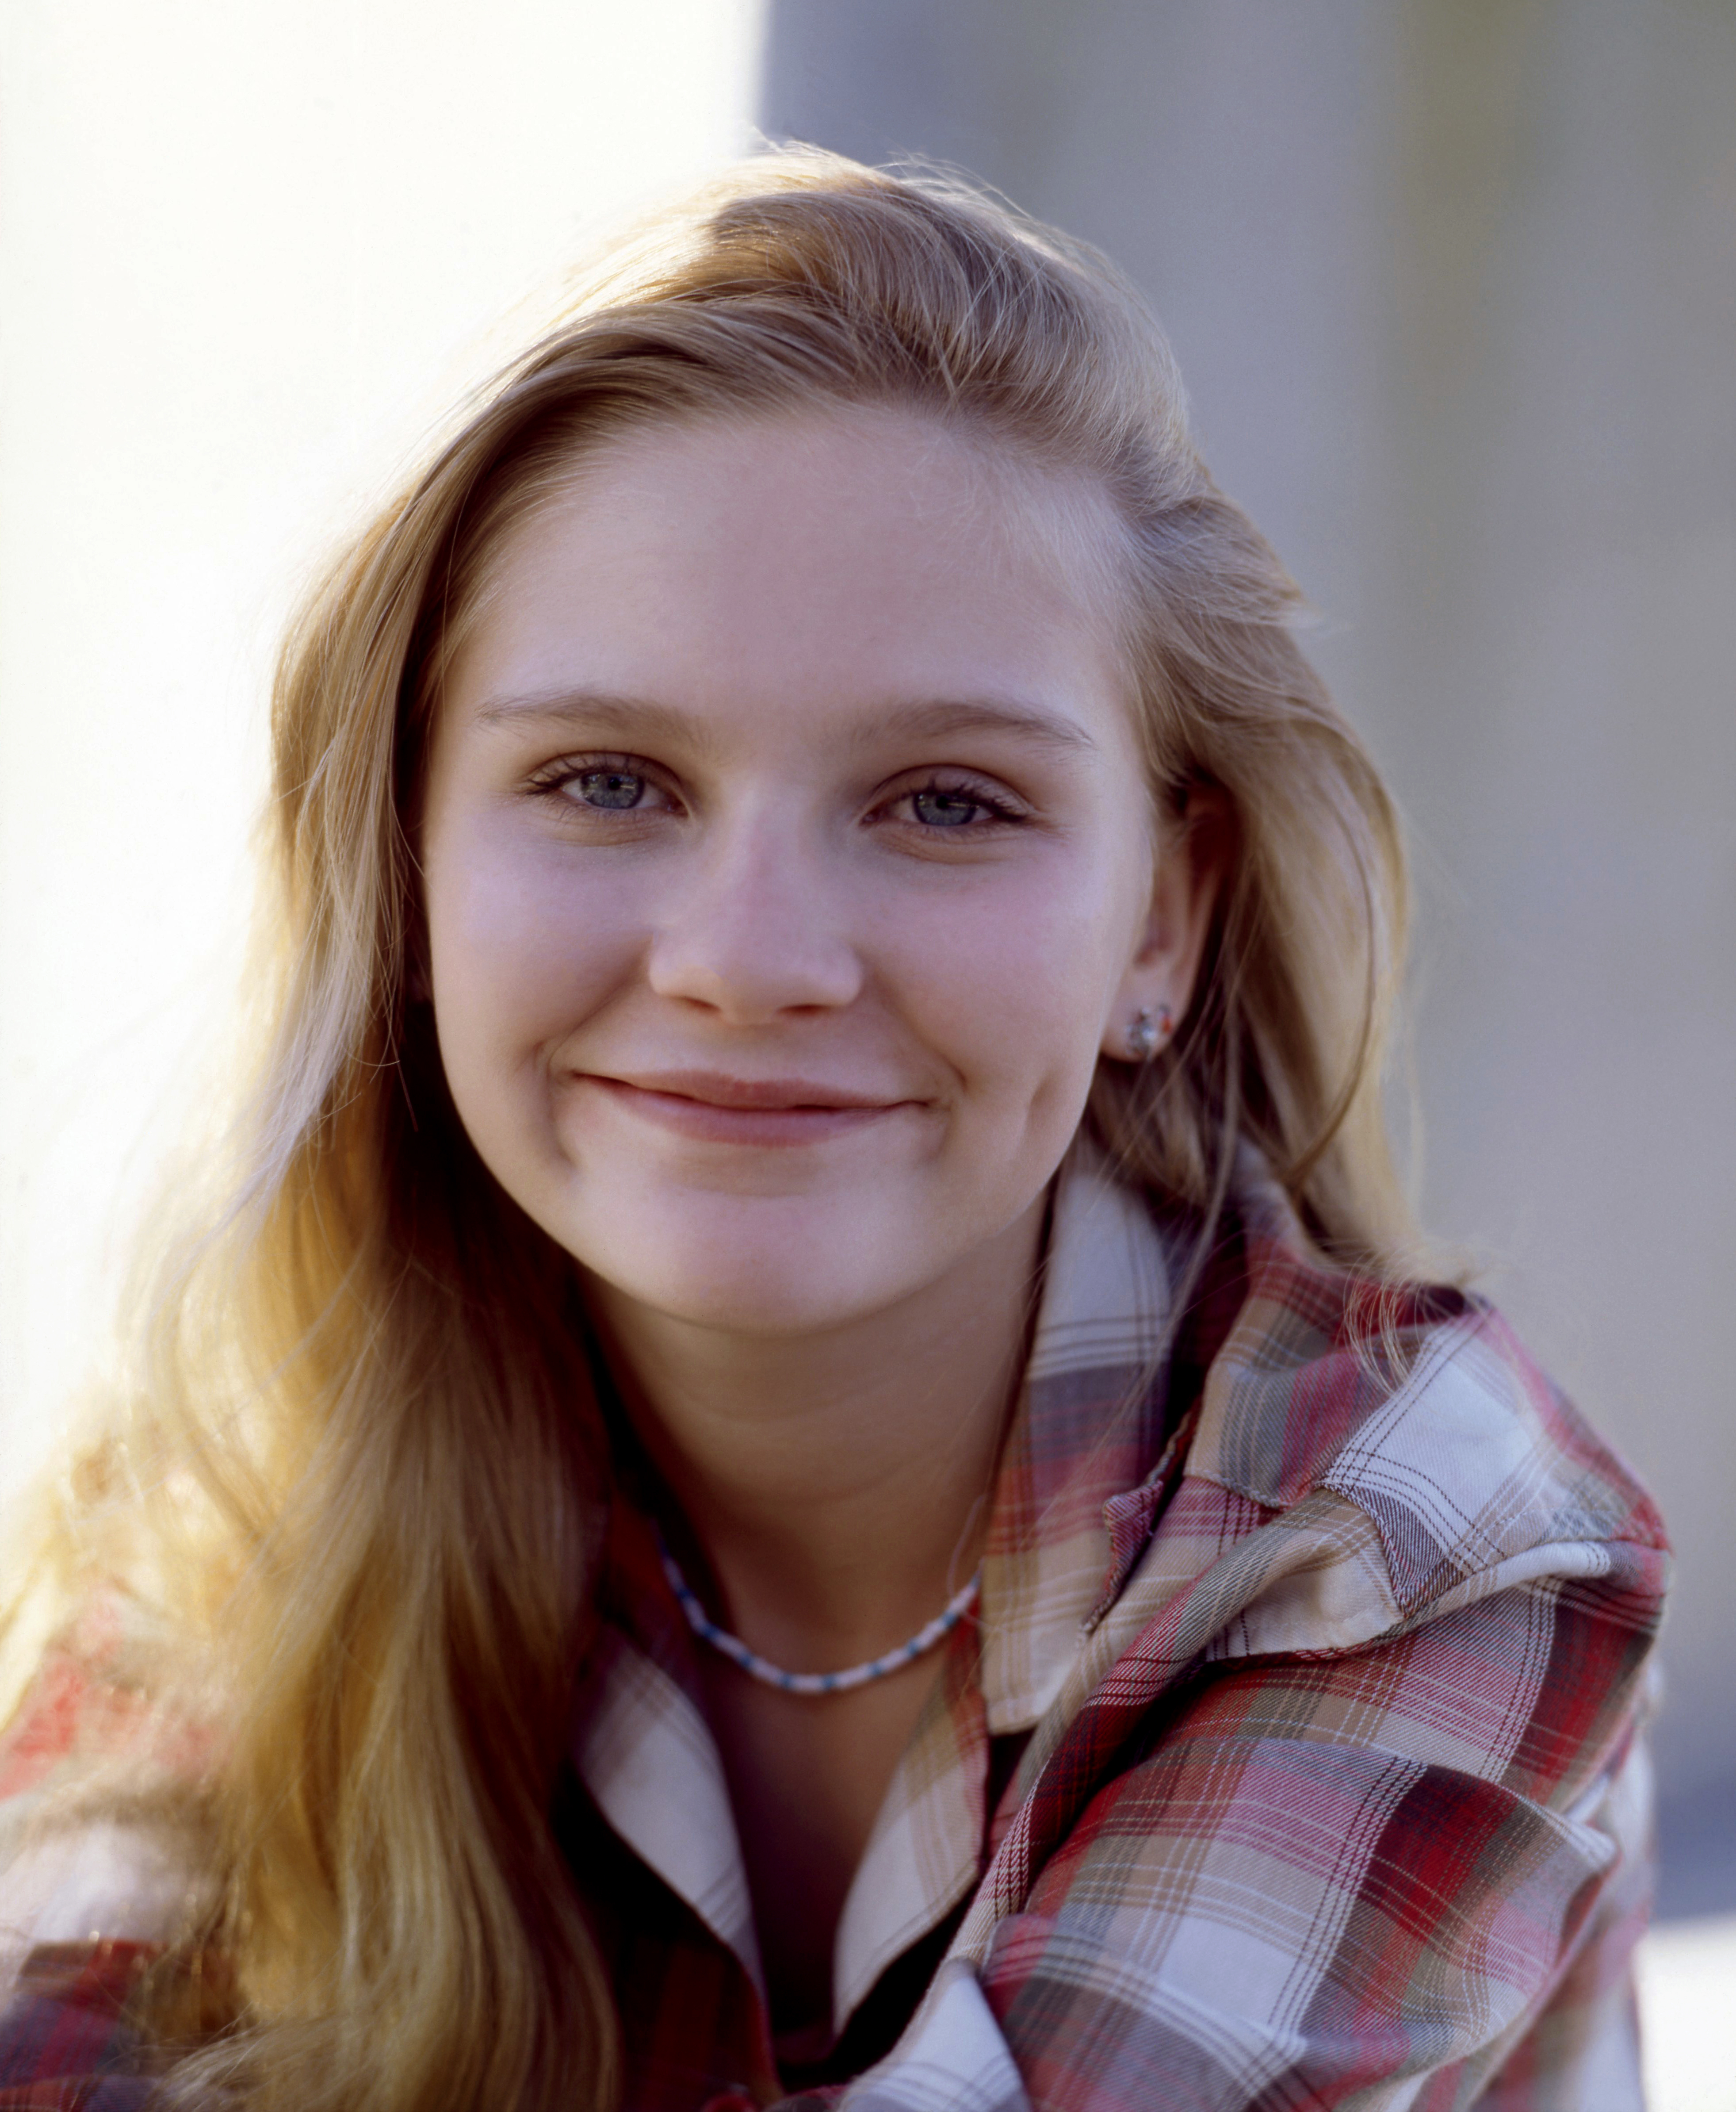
pixel 1195 847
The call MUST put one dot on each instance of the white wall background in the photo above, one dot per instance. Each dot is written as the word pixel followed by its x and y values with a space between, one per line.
pixel 247 255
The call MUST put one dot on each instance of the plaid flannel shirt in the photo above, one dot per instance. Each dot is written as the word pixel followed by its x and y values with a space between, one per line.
pixel 1292 1761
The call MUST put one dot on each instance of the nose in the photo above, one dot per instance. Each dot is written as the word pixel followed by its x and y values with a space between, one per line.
pixel 756 930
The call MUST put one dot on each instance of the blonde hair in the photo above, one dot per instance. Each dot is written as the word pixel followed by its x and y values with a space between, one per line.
pixel 361 1419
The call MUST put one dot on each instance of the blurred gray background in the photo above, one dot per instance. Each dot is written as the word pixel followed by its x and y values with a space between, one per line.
pixel 1453 286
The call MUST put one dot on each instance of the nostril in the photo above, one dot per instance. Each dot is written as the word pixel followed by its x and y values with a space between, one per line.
pixel 754 972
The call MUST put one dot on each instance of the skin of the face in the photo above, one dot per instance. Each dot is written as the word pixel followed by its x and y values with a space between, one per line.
pixel 789 862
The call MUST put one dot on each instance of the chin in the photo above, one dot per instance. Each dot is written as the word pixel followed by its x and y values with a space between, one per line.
pixel 769 1270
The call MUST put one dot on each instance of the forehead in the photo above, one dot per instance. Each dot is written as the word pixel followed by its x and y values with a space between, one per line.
pixel 811 564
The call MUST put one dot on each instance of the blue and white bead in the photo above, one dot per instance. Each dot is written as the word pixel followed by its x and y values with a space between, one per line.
pixel 814 1682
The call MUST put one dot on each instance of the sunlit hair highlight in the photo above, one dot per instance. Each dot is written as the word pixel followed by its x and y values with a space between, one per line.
pixel 362 1423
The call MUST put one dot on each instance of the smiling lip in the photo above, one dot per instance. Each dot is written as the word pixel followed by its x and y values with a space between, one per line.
pixel 763 1111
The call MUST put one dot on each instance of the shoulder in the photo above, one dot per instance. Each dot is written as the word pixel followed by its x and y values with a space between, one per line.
pixel 1417 1407
pixel 100 1781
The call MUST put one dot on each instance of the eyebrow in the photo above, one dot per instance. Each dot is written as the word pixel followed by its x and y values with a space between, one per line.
pixel 594 708
pixel 933 719
pixel 991 715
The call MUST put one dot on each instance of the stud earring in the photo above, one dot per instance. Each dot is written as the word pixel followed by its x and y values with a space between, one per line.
pixel 1147 1031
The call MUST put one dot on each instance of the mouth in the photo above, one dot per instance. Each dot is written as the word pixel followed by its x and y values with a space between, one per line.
pixel 714 1109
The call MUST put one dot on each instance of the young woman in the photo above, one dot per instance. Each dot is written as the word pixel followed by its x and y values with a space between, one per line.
pixel 803 1464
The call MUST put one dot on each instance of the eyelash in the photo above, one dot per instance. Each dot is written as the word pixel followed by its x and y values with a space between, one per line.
pixel 1001 811
pixel 552 781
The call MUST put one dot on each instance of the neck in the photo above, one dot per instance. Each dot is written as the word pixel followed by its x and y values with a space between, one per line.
pixel 835 1483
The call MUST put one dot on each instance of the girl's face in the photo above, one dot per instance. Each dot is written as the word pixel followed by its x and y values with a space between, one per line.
pixel 789 860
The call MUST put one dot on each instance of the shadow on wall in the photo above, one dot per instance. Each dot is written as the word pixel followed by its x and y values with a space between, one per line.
pixel 1454 287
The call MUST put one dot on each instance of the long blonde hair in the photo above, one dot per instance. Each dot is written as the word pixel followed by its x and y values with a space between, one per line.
pixel 362 1425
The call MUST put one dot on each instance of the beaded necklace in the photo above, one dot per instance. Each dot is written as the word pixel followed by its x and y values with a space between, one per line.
pixel 814 1682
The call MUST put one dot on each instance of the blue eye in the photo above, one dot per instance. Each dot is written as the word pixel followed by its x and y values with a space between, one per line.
pixel 615 788
pixel 944 810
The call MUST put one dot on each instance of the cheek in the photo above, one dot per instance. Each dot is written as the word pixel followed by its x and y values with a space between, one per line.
pixel 1014 981
pixel 520 953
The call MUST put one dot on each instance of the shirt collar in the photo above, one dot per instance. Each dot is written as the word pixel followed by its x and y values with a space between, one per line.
pixel 1088 1424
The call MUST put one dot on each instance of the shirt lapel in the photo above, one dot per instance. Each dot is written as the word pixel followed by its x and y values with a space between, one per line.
pixel 1087 1427
pixel 643 1749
